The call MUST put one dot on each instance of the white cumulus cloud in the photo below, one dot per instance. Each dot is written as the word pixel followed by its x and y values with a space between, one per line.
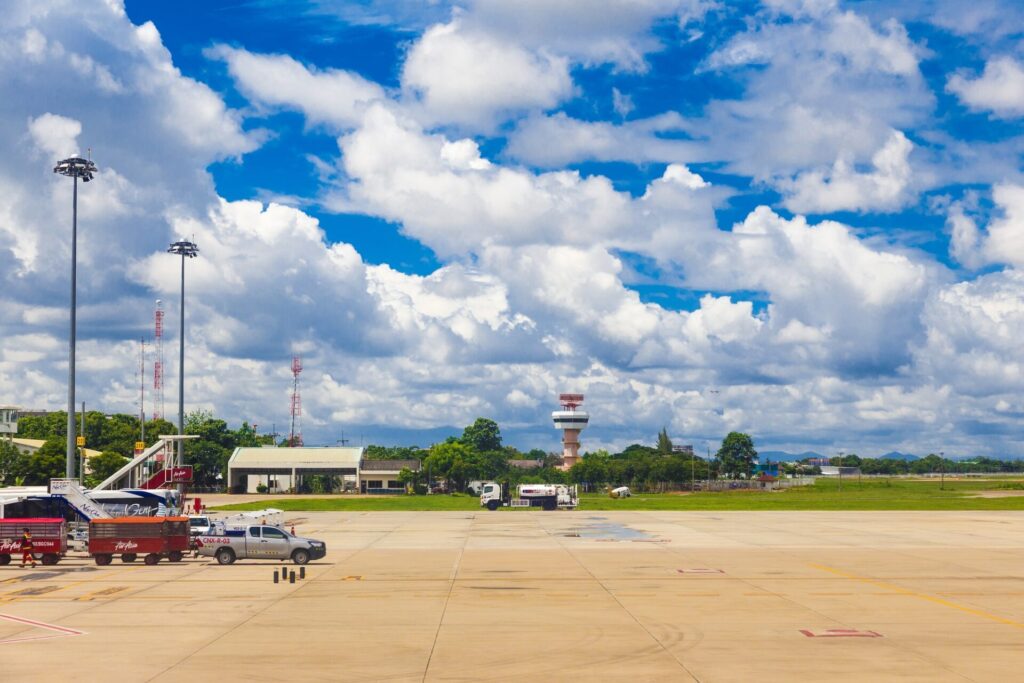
pixel 999 88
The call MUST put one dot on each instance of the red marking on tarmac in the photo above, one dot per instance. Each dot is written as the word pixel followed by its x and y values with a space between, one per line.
pixel 59 631
pixel 840 633
pixel 700 570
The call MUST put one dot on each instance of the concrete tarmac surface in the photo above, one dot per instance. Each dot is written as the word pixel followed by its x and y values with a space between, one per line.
pixel 549 596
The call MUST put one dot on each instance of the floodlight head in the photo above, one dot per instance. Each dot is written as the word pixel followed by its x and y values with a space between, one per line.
pixel 184 248
pixel 76 167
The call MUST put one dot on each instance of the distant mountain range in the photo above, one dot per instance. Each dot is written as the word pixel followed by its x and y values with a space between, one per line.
pixel 896 455
pixel 784 456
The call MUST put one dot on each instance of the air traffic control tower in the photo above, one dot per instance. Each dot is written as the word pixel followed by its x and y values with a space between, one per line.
pixel 571 422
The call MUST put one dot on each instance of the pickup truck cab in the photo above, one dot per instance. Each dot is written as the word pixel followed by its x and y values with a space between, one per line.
pixel 259 542
pixel 199 525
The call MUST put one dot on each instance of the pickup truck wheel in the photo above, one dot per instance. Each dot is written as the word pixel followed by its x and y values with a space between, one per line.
pixel 152 558
pixel 5 559
pixel 493 504
pixel 300 556
pixel 50 558
pixel 103 560
pixel 129 557
pixel 175 556
pixel 225 556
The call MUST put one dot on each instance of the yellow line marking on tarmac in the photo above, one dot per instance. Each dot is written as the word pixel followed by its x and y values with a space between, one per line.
pixel 88 597
pixel 921 596
pixel 15 595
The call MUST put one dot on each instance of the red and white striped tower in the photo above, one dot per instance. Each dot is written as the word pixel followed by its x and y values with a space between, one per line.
pixel 158 362
pixel 142 392
pixel 571 422
pixel 295 437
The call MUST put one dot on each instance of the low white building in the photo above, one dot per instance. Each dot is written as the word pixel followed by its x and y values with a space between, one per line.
pixel 282 469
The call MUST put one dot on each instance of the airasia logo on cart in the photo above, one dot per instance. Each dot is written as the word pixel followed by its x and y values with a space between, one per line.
pixel 125 545
pixel 9 546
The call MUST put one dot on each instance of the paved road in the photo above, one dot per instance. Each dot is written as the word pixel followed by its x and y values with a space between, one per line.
pixel 732 596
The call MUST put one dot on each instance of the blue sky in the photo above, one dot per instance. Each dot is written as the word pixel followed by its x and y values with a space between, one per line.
pixel 797 218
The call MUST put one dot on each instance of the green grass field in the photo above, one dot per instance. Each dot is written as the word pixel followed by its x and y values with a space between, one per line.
pixel 873 494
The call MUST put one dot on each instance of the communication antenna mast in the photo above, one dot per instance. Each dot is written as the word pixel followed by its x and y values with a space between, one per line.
pixel 158 362
pixel 142 389
pixel 295 437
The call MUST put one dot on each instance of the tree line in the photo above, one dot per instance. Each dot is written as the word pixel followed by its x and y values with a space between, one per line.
pixel 930 464
pixel 115 436
pixel 478 454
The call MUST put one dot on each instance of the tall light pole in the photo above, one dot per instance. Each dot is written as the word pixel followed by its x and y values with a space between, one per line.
pixel 185 249
pixel 75 168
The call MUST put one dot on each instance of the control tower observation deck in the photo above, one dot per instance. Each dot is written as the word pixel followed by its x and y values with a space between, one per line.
pixel 571 421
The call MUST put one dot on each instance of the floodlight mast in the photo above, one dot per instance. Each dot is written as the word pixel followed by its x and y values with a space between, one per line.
pixel 185 249
pixel 73 167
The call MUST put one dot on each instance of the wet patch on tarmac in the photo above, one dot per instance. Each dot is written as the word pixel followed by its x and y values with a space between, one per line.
pixel 607 531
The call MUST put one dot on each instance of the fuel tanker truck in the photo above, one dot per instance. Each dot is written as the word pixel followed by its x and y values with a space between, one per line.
pixel 546 496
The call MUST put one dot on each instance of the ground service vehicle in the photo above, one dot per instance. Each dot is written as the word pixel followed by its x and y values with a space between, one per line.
pixel 199 525
pixel 547 496
pixel 130 537
pixel 49 538
pixel 260 542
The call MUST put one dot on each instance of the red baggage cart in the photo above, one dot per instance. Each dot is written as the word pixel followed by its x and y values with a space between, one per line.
pixel 49 538
pixel 129 537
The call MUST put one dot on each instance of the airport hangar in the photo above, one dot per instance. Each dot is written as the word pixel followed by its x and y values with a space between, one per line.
pixel 281 469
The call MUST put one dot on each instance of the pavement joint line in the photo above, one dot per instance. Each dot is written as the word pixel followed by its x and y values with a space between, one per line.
pixel 231 630
pixel 451 587
pixel 254 614
pixel 922 596
pixel 95 605
pixel 794 552
pixel 632 616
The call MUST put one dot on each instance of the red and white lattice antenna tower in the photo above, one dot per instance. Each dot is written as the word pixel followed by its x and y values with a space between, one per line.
pixel 158 361
pixel 295 437
pixel 142 388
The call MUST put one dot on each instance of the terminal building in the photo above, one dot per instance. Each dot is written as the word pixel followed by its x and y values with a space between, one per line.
pixel 283 470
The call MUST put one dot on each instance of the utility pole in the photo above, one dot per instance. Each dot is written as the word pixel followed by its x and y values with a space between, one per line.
pixel 840 471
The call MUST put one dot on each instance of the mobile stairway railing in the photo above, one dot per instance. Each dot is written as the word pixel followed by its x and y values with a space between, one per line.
pixel 72 493
pixel 135 469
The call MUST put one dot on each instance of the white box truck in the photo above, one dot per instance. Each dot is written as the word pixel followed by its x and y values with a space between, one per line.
pixel 546 496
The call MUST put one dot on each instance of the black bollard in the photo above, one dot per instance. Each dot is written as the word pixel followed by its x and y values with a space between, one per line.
pixel 291 578
pixel 302 572
pixel 275 576
pixel 284 573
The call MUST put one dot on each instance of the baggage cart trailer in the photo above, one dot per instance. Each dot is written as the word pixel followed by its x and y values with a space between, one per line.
pixel 49 538
pixel 130 537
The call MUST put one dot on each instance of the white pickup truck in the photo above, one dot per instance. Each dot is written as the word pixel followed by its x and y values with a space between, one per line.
pixel 259 542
